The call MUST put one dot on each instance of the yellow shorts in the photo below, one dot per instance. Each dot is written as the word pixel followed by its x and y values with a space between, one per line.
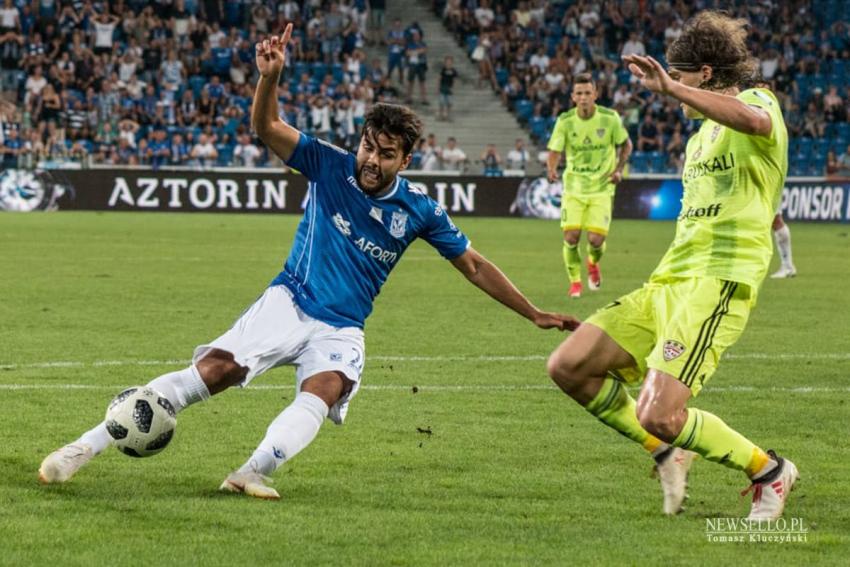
pixel 583 212
pixel 680 327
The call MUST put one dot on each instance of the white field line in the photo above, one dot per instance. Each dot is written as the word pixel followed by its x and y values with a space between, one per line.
pixel 481 388
pixel 416 358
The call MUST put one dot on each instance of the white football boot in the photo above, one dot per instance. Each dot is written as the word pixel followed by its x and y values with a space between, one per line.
pixel 60 465
pixel 672 471
pixel 250 483
pixel 770 491
pixel 784 272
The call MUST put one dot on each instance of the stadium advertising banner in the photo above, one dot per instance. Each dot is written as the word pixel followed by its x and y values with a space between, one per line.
pixel 222 191
pixel 265 191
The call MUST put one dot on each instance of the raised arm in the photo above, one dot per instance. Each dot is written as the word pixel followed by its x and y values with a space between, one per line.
pixel 490 279
pixel 723 109
pixel 279 136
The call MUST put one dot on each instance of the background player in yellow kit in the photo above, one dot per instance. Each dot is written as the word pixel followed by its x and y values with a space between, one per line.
pixel 672 332
pixel 597 147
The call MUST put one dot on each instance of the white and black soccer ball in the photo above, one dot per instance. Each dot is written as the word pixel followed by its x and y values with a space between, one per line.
pixel 141 421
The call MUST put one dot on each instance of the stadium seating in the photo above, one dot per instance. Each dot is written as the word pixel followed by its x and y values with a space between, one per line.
pixel 569 44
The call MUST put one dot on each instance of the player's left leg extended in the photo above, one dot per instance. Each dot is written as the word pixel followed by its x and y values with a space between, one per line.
pixel 290 432
pixel 328 374
pixel 697 320
pixel 588 366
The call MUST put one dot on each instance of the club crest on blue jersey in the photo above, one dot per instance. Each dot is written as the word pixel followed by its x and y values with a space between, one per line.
pixel 342 225
pixel 398 224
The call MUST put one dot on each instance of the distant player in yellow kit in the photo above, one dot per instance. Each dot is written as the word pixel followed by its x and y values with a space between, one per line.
pixel 597 147
pixel 671 333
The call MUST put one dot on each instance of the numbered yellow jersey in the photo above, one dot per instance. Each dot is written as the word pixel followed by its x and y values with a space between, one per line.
pixel 590 146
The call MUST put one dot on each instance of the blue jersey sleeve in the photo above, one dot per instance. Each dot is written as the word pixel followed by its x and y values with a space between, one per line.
pixel 442 234
pixel 313 157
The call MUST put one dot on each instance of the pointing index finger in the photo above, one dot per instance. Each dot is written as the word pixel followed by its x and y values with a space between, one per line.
pixel 287 33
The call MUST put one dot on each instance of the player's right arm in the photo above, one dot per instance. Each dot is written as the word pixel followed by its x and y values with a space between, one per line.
pixel 721 108
pixel 279 136
pixel 556 145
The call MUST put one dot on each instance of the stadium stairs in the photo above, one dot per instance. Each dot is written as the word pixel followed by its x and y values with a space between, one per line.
pixel 478 116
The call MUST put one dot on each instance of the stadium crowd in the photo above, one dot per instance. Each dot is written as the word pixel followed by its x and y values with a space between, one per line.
pixel 169 82
pixel 528 50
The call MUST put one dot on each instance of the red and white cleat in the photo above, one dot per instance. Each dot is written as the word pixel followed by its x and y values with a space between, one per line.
pixel 770 491
pixel 575 290
pixel 594 276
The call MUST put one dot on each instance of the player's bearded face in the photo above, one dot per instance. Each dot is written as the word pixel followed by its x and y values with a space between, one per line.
pixel 379 159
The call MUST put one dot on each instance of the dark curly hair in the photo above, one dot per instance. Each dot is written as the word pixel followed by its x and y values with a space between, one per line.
pixel 715 39
pixel 395 121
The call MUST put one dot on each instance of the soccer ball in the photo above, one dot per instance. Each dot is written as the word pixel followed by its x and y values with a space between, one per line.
pixel 141 421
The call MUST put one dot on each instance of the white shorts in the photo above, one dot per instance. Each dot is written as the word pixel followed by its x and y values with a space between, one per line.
pixel 275 332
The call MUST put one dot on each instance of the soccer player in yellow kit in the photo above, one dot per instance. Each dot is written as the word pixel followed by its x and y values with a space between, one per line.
pixel 597 147
pixel 671 333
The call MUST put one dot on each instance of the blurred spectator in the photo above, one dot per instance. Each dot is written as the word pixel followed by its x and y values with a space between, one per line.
pixel 518 156
pixel 843 163
pixel 648 135
pixel 245 153
pixel 833 106
pixel 397 44
pixel 377 19
pixel 104 28
pixel 814 124
pixel 453 158
pixel 180 152
pixel 431 154
pixel 204 152
pixel 417 65
pixel 11 148
pixel 481 56
pixel 491 160
pixel 634 46
pixel 448 74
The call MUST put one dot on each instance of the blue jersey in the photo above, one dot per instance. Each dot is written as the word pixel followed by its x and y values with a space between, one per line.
pixel 348 242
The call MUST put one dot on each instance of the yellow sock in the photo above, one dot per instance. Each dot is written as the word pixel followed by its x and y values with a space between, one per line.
pixel 572 261
pixel 614 407
pixel 594 253
pixel 706 434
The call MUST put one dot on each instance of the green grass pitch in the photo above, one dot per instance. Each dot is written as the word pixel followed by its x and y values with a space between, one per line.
pixel 487 463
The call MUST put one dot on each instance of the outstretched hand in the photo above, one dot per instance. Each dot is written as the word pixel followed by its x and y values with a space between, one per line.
pixel 558 321
pixel 271 53
pixel 650 72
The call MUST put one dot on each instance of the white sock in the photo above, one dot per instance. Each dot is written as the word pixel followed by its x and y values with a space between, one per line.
pixel 288 434
pixel 782 237
pixel 182 388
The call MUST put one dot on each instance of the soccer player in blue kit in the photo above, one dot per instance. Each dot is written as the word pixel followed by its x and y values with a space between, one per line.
pixel 360 218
